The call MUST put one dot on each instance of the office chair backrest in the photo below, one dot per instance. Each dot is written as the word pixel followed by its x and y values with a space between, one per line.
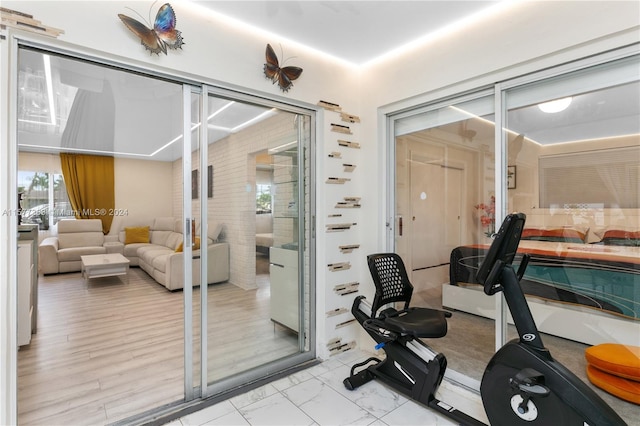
pixel 391 280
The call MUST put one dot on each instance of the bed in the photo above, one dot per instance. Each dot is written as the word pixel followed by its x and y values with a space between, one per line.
pixel 565 271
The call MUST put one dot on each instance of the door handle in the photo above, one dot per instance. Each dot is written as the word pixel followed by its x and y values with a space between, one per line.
pixel 400 226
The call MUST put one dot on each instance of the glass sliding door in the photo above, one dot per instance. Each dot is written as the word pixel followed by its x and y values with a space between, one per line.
pixel 257 315
pixel 211 301
pixel 110 347
pixel 564 150
pixel 575 164
pixel 444 199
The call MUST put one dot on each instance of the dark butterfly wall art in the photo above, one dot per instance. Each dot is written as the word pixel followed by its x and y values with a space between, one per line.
pixel 283 76
pixel 162 36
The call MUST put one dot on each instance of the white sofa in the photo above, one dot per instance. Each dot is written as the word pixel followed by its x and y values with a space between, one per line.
pixel 75 238
pixel 157 257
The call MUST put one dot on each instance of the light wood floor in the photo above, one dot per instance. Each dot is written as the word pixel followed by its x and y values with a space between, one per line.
pixel 108 350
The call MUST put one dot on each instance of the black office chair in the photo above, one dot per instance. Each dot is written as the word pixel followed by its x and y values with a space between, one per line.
pixel 393 285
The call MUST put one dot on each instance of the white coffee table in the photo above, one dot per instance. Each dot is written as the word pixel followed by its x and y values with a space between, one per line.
pixel 104 265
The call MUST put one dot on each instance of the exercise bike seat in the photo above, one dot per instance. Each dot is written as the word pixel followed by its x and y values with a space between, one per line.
pixel 392 285
pixel 419 322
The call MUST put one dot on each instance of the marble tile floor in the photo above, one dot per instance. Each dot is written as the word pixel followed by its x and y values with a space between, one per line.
pixel 316 396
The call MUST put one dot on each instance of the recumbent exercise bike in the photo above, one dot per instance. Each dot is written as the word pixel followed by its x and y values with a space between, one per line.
pixel 521 385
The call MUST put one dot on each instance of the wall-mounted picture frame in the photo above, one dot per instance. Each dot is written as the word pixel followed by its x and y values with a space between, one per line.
pixel 194 184
pixel 511 177
pixel 210 181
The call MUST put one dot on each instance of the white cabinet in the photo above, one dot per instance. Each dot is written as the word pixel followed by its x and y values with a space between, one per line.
pixel 29 232
pixel 26 309
pixel 283 271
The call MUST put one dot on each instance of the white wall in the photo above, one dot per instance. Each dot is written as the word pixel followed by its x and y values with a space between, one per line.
pixel 234 199
pixel 143 187
pixel 527 37
pixel 139 184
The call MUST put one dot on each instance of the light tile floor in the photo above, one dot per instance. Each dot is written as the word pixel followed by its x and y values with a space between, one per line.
pixel 316 396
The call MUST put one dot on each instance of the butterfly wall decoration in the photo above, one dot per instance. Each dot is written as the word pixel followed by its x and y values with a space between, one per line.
pixel 162 36
pixel 283 76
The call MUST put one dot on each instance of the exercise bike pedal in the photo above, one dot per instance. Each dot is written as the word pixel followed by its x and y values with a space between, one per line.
pixel 356 380
pixel 529 382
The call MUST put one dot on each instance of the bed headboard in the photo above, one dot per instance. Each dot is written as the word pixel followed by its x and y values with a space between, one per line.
pixel 592 222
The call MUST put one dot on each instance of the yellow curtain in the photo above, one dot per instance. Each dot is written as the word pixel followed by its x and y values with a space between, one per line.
pixel 90 184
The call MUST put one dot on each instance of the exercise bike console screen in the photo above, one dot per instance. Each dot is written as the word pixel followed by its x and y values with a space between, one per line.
pixel 502 251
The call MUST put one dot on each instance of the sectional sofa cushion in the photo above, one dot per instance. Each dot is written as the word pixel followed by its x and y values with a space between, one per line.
pixel 213 230
pixel 73 254
pixel 80 233
pixel 196 245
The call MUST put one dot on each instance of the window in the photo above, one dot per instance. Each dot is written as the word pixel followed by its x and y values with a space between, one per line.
pixel 263 198
pixel 44 199
pixel 608 178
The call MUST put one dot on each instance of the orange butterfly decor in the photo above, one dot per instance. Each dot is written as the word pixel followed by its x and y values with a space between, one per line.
pixel 284 76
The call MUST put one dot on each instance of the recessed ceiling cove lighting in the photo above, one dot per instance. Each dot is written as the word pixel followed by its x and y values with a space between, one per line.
pixel 558 105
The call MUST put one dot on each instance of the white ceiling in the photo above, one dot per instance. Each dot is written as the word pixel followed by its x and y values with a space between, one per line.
pixel 354 31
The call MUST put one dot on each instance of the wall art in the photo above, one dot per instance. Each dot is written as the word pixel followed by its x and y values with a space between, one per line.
pixel 194 184
pixel 162 36
pixel 283 76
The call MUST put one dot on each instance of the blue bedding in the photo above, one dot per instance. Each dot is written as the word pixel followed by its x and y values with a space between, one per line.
pixel 598 277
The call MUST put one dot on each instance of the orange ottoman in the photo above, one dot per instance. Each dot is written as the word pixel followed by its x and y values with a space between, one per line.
pixel 615 368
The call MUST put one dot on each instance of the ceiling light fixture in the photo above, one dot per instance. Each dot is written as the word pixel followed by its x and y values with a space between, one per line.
pixel 556 105
pixel 255 119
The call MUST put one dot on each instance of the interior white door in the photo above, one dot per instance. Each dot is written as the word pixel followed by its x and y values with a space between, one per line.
pixel 436 192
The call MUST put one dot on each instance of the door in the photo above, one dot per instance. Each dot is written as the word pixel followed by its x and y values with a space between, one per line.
pixel 252 320
pixel 436 191
pixel 444 167
pixel 133 346
pixel 109 348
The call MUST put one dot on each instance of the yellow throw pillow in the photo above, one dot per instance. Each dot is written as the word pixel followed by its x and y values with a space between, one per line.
pixel 196 246
pixel 138 234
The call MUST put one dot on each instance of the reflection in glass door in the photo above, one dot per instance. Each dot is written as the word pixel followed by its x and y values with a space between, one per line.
pixel 256 310
pixel 444 201
pixel 106 348
pixel 576 166
pixel 568 156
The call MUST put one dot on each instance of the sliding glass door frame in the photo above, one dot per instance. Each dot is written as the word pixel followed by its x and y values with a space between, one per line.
pixel 203 88
pixel 499 91
pixel 306 252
